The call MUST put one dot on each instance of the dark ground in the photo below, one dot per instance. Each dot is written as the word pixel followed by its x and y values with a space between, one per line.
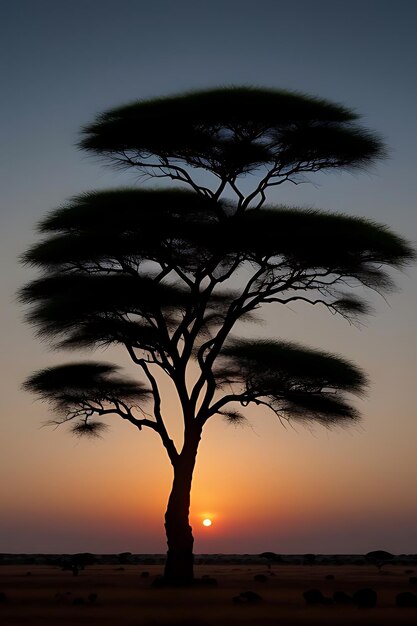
pixel 45 595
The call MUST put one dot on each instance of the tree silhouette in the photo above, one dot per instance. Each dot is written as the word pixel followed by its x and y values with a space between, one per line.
pixel 169 272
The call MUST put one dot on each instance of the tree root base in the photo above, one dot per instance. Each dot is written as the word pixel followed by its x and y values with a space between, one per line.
pixel 206 581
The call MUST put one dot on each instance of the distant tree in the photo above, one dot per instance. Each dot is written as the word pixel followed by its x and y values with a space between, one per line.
pixel 169 272
pixel 271 557
pixel 78 562
pixel 379 558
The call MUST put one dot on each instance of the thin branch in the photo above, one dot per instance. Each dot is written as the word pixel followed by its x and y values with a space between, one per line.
pixel 219 404
pixel 160 424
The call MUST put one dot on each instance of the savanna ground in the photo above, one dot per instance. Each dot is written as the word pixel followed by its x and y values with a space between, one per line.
pixel 45 596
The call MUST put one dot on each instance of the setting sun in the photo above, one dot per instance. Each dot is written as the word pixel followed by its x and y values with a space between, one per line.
pixel 207 522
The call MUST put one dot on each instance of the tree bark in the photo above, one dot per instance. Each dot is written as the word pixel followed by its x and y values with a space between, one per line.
pixel 179 567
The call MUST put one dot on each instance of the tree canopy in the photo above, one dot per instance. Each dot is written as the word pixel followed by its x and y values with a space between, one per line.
pixel 233 131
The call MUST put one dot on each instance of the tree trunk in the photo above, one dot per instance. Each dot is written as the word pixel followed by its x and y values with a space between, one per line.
pixel 179 567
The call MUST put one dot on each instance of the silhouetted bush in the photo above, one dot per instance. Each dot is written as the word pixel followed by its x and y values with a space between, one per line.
pixel 413 580
pixel 260 578
pixel 406 599
pixel 3 597
pixel 365 598
pixel 247 597
pixel 329 577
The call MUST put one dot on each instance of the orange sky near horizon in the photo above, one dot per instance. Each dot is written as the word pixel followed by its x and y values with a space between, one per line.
pixel 264 486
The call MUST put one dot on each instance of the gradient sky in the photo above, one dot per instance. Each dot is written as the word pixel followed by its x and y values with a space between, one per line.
pixel 266 488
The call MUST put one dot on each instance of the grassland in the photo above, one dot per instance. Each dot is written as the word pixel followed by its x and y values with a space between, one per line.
pixel 40 595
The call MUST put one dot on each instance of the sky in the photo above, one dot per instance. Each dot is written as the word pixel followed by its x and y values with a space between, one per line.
pixel 292 490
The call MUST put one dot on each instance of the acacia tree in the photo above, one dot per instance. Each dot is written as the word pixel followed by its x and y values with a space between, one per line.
pixel 169 272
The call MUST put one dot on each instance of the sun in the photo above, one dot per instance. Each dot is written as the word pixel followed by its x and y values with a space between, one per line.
pixel 207 522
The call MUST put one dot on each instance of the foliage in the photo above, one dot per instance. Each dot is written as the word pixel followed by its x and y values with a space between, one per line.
pixel 230 132
pixel 169 272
